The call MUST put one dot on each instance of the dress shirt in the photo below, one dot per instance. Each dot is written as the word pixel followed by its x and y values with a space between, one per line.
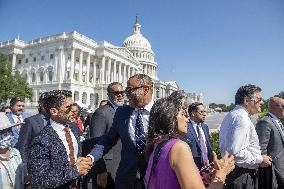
pixel 16 118
pixel 238 136
pixel 59 128
pixel 145 118
pixel 201 132
pixel 278 121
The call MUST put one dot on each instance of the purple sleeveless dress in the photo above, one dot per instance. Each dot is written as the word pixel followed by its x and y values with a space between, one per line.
pixel 163 177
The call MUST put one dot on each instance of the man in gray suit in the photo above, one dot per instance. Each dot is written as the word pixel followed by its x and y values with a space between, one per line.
pixel 101 122
pixel 271 139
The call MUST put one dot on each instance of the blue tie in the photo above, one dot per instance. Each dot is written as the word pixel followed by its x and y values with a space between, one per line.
pixel 140 135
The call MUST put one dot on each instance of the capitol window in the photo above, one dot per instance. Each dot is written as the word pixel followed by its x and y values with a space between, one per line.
pixel 33 77
pixel 19 61
pixel 27 60
pixel 34 59
pixel 50 75
pixel 51 56
pixel 41 76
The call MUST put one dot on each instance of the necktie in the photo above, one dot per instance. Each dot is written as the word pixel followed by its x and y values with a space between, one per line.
pixel 202 145
pixel 19 121
pixel 71 150
pixel 140 135
pixel 70 145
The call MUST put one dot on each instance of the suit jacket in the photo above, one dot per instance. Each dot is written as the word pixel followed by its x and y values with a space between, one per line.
pixel 48 164
pixel 101 123
pixel 271 141
pixel 192 138
pixel 33 125
pixel 130 160
pixel 15 131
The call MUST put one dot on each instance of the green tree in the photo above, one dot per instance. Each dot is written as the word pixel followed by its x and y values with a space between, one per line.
pixel 11 84
pixel 213 105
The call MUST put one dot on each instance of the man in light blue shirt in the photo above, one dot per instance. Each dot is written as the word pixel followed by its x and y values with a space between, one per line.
pixel 238 136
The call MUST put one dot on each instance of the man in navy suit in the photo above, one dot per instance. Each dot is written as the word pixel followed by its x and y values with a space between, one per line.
pixel 54 160
pixel 130 124
pixel 17 115
pixel 198 135
pixel 31 128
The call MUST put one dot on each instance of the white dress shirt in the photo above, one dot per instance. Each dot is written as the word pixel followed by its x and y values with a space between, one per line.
pixel 18 118
pixel 238 136
pixel 145 118
pixel 59 128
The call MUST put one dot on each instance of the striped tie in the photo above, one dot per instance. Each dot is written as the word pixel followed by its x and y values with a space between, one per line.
pixel 140 135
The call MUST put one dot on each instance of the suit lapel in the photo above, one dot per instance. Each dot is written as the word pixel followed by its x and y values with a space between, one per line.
pixel 277 127
pixel 40 121
pixel 191 131
pixel 125 126
pixel 207 137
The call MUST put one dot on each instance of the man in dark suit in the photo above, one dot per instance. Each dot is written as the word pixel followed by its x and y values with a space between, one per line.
pixel 101 123
pixel 17 115
pixel 54 160
pixel 130 124
pixel 31 128
pixel 270 132
pixel 198 135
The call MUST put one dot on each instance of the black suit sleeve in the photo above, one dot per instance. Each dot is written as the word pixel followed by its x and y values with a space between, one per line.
pixel 98 124
pixel 25 138
pixel 263 130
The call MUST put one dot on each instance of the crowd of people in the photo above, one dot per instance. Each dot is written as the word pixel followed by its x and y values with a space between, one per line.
pixel 141 144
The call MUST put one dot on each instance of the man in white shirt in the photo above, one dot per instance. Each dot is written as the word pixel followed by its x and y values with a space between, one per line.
pixel 130 124
pixel 238 136
pixel 270 132
pixel 54 160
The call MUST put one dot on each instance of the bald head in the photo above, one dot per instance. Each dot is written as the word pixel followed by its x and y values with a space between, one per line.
pixel 276 106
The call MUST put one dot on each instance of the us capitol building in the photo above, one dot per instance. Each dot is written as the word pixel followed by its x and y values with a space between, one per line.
pixel 77 63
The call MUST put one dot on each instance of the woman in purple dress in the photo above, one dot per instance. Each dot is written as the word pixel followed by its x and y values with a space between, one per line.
pixel 171 165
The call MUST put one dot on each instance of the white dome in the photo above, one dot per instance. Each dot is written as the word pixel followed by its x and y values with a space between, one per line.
pixel 137 39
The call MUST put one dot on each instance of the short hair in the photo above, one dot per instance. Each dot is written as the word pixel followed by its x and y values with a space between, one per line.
pixel 42 97
pixel 16 99
pixel 246 91
pixel 55 99
pixel 111 85
pixel 193 107
pixel 144 79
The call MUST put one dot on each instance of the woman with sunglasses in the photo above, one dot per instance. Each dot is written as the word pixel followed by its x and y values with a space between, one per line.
pixel 171 165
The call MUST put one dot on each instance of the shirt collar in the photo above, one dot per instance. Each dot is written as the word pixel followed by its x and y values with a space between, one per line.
pixel 273 116
pixel 113 105
pixel 147 107
pixel 56 126
pixel 242 108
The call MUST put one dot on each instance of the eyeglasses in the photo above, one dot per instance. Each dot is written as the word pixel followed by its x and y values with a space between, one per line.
pixel 201 112
pixel 129 90
pixel 258 100
pixel 116 93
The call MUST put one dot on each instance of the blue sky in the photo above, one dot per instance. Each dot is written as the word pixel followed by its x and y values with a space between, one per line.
pixel 208 46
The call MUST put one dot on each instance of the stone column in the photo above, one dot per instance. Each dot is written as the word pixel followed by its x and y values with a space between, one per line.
pixel 124 74
pixel 109 71
pixel 14 59
pixel 72 64
pixel 61 66
pixel 114 71
pixel 95 71
pixel 88 68
pixel 128 74
pixel 119 72
pixel 103 70
pixel 80 66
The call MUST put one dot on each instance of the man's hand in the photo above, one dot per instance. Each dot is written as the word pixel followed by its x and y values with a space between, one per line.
pixel 102 179
pixel 266 161
pixel 83 165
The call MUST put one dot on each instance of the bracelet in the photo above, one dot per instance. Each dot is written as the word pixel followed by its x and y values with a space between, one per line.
pixel 218 179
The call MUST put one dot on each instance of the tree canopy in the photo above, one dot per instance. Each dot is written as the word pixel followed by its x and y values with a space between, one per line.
pixel 11 84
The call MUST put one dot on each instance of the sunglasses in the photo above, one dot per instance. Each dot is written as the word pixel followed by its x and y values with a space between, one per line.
pixel 116 93
pixel 129 90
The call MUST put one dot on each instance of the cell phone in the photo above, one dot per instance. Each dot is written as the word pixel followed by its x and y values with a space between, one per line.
pixel 207 169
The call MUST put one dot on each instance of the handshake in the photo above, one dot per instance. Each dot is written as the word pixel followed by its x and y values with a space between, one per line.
pixel 84 164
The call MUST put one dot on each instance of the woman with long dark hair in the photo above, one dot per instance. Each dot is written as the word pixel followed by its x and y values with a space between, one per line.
pixel 171 165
